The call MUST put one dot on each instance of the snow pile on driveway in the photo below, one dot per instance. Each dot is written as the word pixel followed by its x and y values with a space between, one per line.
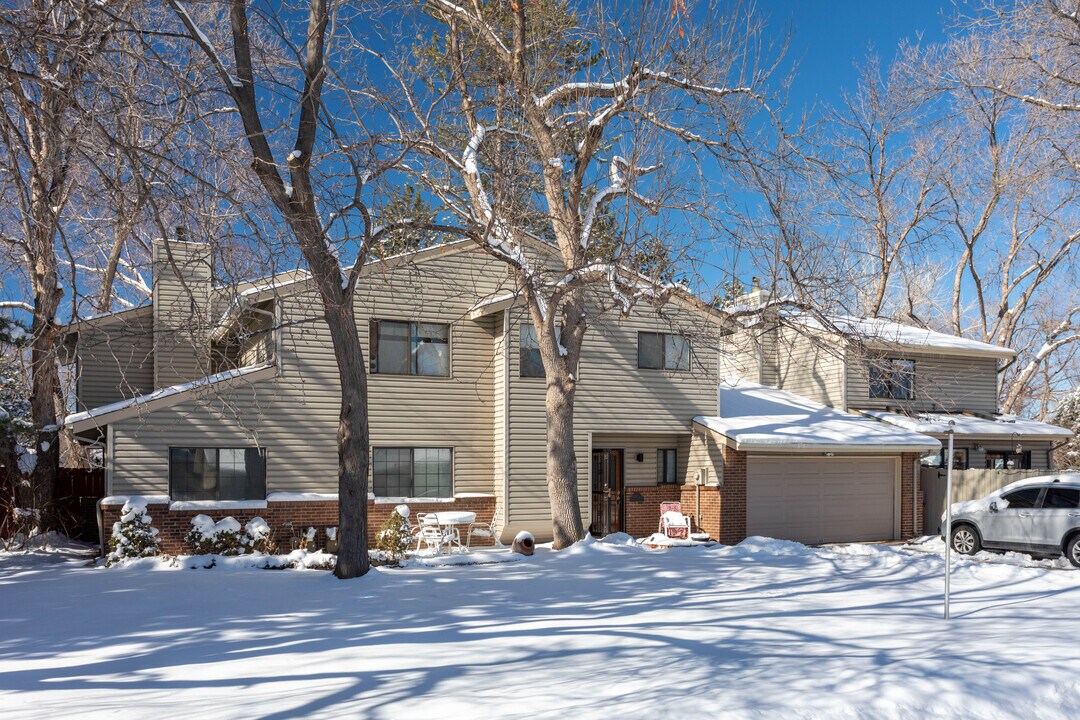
pixel 764 629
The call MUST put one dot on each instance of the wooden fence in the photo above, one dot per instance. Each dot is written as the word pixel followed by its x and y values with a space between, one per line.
pixel 77 493
pixel 967 485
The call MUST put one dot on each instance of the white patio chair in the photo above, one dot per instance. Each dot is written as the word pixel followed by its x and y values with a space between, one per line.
pixel 429 533
pixel 489 529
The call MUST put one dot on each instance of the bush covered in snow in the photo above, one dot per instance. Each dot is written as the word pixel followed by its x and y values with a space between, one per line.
pixel 133 536
pixel 256 538
pixel 395 536
pixel 227 537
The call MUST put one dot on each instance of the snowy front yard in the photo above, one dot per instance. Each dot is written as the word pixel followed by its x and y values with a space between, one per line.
pixel 765 629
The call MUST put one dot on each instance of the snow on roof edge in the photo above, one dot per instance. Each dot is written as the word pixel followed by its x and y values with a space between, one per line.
pixel 161 393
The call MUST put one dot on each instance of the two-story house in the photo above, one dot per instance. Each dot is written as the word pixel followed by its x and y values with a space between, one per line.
pixel 224 400
pixel 898 375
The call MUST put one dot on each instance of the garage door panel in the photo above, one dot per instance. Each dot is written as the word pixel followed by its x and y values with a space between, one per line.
pixel 815 500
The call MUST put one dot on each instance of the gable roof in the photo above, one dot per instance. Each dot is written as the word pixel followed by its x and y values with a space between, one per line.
pixel 756 417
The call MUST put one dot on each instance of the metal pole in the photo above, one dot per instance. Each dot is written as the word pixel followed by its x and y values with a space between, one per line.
pixel 948 517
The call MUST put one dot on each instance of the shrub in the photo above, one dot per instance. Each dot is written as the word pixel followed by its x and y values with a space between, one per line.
pixel 257 537
pixel 207 537
pixel 395 536
pixel 133 536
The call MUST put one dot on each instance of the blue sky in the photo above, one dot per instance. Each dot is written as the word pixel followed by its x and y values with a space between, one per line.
pixel 829 36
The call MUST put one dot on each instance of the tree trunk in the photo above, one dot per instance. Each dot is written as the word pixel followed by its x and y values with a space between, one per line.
pixel 45 381
pixel 353 439
pixel 562 467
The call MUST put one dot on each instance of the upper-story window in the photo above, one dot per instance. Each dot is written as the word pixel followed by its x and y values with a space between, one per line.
pixel 530 364
pixel 892 379
pixel 410 348
pixel 663 351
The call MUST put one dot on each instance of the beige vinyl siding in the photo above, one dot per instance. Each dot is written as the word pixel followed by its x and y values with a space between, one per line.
pixel 740 356
pixel 942 382
pixel 182 280
pixel 643 474
pixel 115 359
pixel 705 459
pixel 295 415
pixel 813 368
pixel 612 392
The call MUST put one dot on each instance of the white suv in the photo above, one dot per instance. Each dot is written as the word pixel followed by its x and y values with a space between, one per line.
pixel 1039 515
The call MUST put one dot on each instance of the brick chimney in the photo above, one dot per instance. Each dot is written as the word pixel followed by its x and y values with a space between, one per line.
pixel 182 278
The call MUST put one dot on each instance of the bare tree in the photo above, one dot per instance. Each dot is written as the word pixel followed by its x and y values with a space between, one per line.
pixel 306 65
pixel 53 62
pixel 586 131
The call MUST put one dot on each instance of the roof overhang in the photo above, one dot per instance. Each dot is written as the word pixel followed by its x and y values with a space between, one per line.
pixel 764 444
pixel 495 304
pixel 973 427
pixel 101 417
pixel 758 418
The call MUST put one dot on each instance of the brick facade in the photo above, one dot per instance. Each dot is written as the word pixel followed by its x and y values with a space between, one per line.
pixel 287 519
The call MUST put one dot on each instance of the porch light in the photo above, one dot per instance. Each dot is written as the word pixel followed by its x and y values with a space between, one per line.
pixel 1019 445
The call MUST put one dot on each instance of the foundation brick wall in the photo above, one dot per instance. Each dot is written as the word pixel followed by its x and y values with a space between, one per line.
pixel 907 500
pixel 173 525
pixel 732 512
pixel 642 518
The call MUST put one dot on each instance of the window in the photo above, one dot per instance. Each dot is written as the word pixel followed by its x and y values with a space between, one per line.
pixel 1008 460
pixel 892 379
pixel 217 473
pixel 410 348
pixel 667 466
pixel 663 351
pixel 530 363
pixel 1026 498
pixel 412 472
pixel 936 459
pixel 1060 497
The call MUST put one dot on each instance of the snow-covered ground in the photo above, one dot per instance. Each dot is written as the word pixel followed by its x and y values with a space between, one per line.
pixel 764 629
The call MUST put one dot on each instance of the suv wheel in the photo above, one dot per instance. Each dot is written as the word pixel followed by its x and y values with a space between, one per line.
pixel 965 540
pixel 1072 550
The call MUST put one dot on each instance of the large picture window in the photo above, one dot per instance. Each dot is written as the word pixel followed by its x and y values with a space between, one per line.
pixel 410 348
pixel 892 379
pixel 217 473
pixel 663 351
pixel 412 472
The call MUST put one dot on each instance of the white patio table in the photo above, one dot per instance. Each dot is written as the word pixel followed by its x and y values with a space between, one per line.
pixel 449 520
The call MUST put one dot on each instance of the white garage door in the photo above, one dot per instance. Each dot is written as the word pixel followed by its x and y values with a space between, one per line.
pixel 817 500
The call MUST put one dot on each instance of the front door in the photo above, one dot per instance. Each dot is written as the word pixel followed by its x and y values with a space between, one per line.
pixel 607 491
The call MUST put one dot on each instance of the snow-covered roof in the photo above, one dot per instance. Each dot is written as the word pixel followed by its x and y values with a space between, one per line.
pixel 103 415
pixel 756 417
pixel 971 425
pixel 879 332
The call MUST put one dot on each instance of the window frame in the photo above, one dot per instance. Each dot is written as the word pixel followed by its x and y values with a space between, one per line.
pixel 1023 458
pixel 662 337
pixel 217 470
pixel 662 466
pixel 1041 492
pixel 412 333
pixel 890 384
pixel 412 469
pixel 521 350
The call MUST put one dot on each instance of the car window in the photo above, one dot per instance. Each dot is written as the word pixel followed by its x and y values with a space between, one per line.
pixel 1026 498
pixel 1059 497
